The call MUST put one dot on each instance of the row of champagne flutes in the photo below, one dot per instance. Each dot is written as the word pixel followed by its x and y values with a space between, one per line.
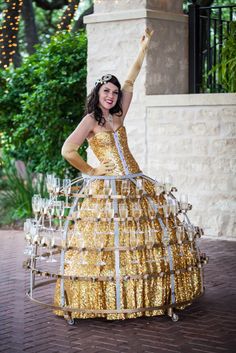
pixel 43 207
pixel 55 185
pixel 171 206
pixel 40 240
pixel 160 187
pixel 107 187
pixel 150 239
pixel 98 211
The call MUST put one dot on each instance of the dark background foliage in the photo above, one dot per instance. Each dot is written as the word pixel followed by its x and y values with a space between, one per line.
pixel 42 102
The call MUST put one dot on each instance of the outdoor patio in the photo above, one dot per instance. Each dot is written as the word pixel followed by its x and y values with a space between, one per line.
pixel 209 325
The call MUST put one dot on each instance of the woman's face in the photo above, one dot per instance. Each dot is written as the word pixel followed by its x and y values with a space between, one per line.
pixel 108 95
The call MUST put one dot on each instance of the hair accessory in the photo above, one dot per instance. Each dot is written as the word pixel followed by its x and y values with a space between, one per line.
pixel 103 80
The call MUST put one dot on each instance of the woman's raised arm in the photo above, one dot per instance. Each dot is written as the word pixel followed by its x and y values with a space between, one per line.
pixel 127 88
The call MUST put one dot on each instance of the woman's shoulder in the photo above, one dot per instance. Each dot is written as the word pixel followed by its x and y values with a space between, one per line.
pixel 89 118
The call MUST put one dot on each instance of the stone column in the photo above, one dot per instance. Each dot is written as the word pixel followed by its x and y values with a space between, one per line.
pixel 113 35
pixel 167 60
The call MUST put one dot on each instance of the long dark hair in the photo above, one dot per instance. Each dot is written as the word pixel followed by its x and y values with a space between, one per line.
pixel 92 105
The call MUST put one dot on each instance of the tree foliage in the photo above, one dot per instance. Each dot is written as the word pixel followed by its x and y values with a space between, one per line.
pixel 227 67
pixel 42 102
pixel 37 21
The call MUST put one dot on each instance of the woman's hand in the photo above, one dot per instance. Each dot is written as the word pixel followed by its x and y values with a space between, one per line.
pixel 104 168
pixel 146 37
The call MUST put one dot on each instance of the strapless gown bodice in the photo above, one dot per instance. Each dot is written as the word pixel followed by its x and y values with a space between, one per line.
pixel 108 145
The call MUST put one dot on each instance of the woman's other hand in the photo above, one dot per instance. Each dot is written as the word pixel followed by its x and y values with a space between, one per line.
pixel 146 37
pixel 104 168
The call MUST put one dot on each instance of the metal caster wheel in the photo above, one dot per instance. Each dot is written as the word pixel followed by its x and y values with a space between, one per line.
pixel 174 317
pixel 71 322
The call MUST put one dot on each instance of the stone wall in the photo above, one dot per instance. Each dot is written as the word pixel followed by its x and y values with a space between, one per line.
pixel 193 138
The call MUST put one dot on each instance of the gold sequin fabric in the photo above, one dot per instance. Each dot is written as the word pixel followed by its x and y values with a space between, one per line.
pixel 109 145
pixel 127 265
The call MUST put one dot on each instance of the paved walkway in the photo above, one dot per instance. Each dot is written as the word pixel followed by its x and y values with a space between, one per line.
pixel 208 326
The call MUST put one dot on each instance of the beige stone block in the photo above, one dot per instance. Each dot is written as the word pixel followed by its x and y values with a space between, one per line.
pixel 201 165
pixel 161 169
pixel 167 129
pixel 227 114
pixel 204 114
pixel 232 167
pixel 205 128
pixel 179 116
pixel 200 146
pixel 227 204
pixel 158 149
pixel 220 183
pixel 228 129
pixel 223 224
pixel 222 165
pixel 222 147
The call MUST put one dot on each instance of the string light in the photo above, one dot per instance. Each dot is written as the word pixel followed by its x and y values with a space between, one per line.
pixel 65 22
pixel 8 31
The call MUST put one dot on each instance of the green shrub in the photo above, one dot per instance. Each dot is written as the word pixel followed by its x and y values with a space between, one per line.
pixel 226 69
pixel 42 102
pixel 17 191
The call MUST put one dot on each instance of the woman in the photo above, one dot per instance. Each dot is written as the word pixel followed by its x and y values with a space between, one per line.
pixel 130 255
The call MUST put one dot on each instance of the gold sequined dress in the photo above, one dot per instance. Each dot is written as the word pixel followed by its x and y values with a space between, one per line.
pixel 126 258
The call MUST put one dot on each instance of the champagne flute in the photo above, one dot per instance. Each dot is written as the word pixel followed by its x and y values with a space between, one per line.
pixel 45 203
pixel 34 237
pixel 149 241
pixel 107 187
pixel 51 244
pixel 159 188
pixel 133 246
pixel 190 234
pixel 60 209
pixel 139 186
pixel 49 184
pixel 67 189
pixel 50 213
pixel 166 210
pixel 45 243
pixel 56 183
pixel 28 237
pixel 174 208
pixel 36 205
pixel 184 202
pixel 137 212
pixel 168 182
pixel 88 190
pixel 123 211
pixel 99 241
pixel 125 187
pixel 109 212
pixel 179 236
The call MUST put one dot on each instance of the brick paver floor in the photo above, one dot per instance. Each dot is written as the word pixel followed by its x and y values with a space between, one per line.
pixel 208 326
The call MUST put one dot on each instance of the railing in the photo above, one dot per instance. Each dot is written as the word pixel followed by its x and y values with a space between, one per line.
pixel 208 28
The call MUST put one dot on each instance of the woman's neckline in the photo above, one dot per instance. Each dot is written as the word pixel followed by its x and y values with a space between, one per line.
pixel 106 132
